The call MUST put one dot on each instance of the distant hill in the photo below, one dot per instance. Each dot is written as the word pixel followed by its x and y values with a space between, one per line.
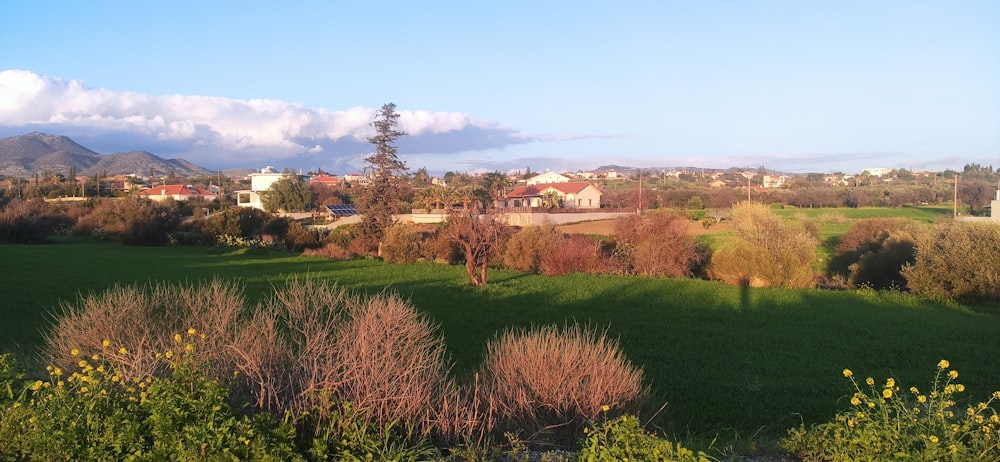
pixel 26 155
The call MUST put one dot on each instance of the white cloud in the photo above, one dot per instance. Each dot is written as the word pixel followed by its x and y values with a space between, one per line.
pixel 230 129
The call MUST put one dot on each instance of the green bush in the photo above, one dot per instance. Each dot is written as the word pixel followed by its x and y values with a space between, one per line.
pixel 623 438
pixel 401 244
pixel 873 252
pixel 887 423
pixel 525 249
pixel 95 414
pixel 957 261
pixel 765 250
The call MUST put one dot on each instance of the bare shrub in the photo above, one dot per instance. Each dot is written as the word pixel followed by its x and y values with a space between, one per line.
pixel 330 250
pixel 440 248
pixel 957 261
pixel 525 249
pixel 133 220
pixel 574 253
pixel 401 244
pixel 126 316
pixel 655 245
pixel 482 239
pixel 546 383
pixel 391 362
pixel 765 251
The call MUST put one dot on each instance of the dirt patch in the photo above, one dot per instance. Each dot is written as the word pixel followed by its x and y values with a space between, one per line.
pixel 607 228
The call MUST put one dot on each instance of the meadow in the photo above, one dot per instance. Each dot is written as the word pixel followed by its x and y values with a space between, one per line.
pixel 724 359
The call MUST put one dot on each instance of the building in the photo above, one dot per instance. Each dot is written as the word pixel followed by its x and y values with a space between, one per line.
pixel 775 181
pixel 177 192
pixel 546 178
pixel 877 171
pixel 323 179
pixel 259 182
pixel 578 194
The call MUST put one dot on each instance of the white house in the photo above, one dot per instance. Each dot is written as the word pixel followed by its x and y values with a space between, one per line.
pixel 577 194
pixel 877 171
pixel 259 182
pixel 546 178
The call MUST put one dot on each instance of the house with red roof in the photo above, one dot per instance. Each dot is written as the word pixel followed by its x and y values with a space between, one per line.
pixel 574 194
pixel 178 192
pixel 324 180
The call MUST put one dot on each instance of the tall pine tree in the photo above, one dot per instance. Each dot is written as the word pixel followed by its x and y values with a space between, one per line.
pixel 380 199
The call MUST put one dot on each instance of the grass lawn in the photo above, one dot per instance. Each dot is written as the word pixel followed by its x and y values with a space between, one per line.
pixel 724 358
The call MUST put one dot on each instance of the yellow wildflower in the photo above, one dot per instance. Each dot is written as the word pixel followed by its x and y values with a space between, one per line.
pixel 189 347
pixel 82 363
pixel 932 439
pixel 943 364
pixel 855 401
pixel 960 388
pixel 953 375
pixel 57 371
pixel 96 357
pixel 178 338
pixel 169 354
pixel 74 352
pixel 123 351
pixel 922 399
pixel 848 373
pixel 605 408
pixel 914 390
pixel 890 383
pixel 887 393
pixel 191 331
pixel 870 381
pixel 871 404
pixel 106 343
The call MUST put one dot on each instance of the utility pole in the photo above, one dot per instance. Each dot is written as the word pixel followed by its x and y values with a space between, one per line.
pixel 955 215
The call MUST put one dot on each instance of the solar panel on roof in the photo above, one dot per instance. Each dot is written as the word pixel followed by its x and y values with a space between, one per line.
pixel 342 210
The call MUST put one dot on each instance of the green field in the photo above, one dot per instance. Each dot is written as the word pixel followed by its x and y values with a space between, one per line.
pixel 724 358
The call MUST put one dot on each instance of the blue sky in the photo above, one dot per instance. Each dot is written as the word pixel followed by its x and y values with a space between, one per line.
pixel 793 86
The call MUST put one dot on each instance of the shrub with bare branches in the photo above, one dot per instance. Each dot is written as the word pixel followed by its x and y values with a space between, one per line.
pixel 573 253
pixel 657 244
pixel 546 383
pixel 482 239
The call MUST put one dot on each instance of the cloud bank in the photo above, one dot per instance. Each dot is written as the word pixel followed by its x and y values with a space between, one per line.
pixel 221 132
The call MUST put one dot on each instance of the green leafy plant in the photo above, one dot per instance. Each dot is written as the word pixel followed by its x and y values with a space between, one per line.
pixel 888 423
pixel 623 438
pixel 95 414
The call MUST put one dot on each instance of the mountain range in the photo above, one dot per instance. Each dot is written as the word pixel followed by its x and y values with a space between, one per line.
pixel 41 153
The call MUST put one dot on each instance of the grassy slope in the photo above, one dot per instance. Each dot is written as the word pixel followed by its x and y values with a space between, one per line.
pixel 722 357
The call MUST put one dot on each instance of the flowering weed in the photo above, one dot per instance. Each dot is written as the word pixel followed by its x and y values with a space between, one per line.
pixel 888 422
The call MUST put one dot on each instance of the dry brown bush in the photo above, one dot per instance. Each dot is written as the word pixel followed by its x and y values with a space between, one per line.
pixel 330 250
pixel 391 362
pixel 655 245
pixel 308 345
pixel 546 383
pixel 575 253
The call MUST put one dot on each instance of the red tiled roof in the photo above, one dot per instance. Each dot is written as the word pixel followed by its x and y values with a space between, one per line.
pixel 539 189
pixel 176 190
